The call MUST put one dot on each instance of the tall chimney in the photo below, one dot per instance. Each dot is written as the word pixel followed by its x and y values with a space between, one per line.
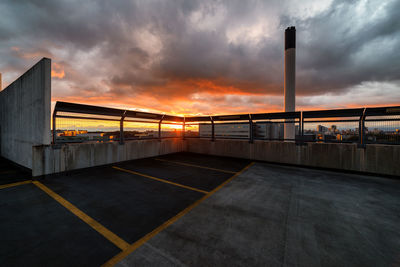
pixel 1 85
pixel 290 78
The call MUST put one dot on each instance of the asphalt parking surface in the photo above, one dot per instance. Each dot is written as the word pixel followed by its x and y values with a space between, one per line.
pixel 189 209
pixel 86 217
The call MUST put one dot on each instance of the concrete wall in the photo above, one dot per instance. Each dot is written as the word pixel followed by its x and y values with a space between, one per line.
pixel 49 160
pixel 25 114
pixel 379 159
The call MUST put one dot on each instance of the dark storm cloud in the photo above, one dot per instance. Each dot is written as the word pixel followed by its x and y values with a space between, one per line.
pixel 169 48
pixel 345 49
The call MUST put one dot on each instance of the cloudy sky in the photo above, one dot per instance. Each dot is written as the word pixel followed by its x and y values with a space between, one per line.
pixel 206 57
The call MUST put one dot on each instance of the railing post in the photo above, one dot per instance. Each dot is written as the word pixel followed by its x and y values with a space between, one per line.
pixel 251 133
pixel 361 130
pixel 183 128
pixel 159 128
pixel 212 129
pixel 121 129
pixel 301 124
pixel 54 127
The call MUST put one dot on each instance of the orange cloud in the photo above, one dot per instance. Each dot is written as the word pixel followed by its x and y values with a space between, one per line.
pixel 57 71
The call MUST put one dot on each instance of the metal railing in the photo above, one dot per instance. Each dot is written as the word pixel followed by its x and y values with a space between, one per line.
pixel 360 125
pixel 106 124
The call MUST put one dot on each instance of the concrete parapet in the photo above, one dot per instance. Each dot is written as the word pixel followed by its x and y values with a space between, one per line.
pixel 378 159
pixel 48 159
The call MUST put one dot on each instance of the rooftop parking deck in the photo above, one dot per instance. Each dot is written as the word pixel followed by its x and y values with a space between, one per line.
pixel 187 209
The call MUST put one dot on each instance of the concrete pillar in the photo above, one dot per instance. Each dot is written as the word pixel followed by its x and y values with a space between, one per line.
pixel 290 78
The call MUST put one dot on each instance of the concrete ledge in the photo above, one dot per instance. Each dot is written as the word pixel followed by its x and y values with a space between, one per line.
pixel 377 159
pixel 48 159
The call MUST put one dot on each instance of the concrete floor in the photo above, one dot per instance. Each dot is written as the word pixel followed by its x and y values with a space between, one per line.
pixel 284 216
pixel 37 231
pixel 269 215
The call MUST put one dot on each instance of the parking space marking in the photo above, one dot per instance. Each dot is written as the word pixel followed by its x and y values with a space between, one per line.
pixel 113 238
pixel 15 184
pixel 161 180
pixel 117 258
pixel 197 166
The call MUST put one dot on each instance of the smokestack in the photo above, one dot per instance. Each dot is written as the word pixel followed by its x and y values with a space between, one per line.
pixel 290 78
pixel 1 85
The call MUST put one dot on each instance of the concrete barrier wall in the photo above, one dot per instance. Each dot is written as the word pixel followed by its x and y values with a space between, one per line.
pixel 25 114
pixel 379 159
pixel 48 160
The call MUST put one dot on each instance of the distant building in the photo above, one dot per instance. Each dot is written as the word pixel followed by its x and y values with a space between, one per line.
pixel 91 136
pixel 236 130
pixel 272 131
pixel 81 136
pixel 333 129
pixel 321 129
pixel 73 132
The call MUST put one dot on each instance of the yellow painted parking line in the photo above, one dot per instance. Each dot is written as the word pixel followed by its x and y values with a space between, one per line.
pixel 197 166
pixel 14 184
pixel 161 180
pixel 117 258
pixel 113 238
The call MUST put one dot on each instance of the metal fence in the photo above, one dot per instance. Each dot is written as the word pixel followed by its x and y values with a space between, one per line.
pixel 84 123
